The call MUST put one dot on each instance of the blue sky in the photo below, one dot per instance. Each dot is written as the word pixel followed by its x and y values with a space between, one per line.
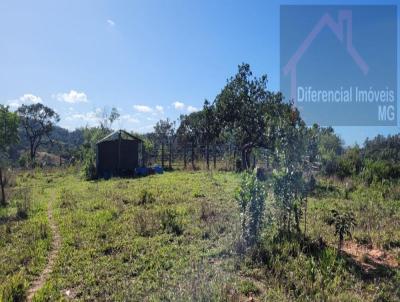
pixel 150 59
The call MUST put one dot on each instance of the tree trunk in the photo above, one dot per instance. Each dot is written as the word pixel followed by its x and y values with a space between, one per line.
pixel 192 156
pixel 32 156
pixel 215 156
pixel 162 155
pixel 208 156
pixel 340 243
pixel 248 152
pixel 3 195
pixel 184 157
pixel 170 156
pixel 244 166
pixel 297 220
pixel 305 218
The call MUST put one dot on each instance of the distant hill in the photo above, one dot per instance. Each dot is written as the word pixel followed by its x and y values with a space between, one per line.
pixel 65 142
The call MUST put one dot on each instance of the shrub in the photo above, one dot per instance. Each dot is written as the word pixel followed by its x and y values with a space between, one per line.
pixel 67 199
pixel 207 213
pixel 170 222
pixel 89 168
pixel 14 290
pixel 379 170
pixel 146 197
pixel 146 223
pixel 344 223
pixel 248 287
pixel 251 200
pixel 290 190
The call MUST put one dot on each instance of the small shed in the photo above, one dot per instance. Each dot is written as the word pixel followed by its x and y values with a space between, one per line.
pixel 118 154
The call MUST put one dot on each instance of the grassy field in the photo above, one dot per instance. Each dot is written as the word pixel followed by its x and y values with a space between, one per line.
pixel 172 237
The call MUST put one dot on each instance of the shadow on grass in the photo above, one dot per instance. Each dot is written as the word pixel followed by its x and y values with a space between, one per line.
pixel 10 219
pixel 292 244
pixel 368 270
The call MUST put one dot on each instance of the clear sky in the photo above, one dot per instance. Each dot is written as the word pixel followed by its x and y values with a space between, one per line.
pixel 150 59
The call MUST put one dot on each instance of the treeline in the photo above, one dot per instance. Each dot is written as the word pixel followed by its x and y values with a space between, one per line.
pixel 378 160
pixel 245 116
pixel 245 123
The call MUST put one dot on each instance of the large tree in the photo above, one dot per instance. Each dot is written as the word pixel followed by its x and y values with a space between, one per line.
pixel 37 120
pixel 8 136
pixel 241 109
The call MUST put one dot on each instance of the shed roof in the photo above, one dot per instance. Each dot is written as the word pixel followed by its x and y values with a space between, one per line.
pixel 119 134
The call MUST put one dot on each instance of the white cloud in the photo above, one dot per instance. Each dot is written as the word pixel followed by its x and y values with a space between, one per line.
pixel 160 108
pixel 110 22
pixel 26 99
pixel 72 97
pixel 91 117
pixel 191 109
pixel 178 105
pixel 129 118
pixel 30 98
pixel 142 108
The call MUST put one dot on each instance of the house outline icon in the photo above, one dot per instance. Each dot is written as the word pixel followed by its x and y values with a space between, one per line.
pixel 344 16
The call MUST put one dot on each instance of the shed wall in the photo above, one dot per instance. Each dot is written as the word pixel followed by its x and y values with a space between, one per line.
pixel 117 156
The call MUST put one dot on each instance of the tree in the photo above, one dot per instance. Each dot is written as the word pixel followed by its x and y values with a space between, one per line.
pixel 208 128
pixel 295 154
pixel 189 132
pixel 330 147
pixel 165 132
pixel 344 224
pixel 107 119
pixel 183 137
pixel 241 109
pixel 37 120
pixel 8 136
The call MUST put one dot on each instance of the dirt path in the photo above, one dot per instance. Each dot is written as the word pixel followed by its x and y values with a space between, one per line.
pixel 55 246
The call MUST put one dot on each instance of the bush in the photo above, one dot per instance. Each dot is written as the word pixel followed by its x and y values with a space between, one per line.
pixel 170 222
pixel 14 290
pixel 251 200
pixel 146 197
pixel 67 199
pixel 146 223
pixel 89 168
pixel 247 287
pixel 377 171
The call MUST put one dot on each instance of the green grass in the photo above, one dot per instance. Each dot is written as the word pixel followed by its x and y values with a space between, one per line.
pixel 151 237
pixel 172 237
pixel 24 240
